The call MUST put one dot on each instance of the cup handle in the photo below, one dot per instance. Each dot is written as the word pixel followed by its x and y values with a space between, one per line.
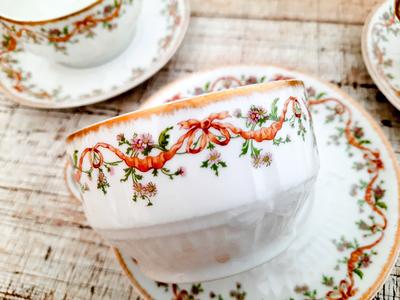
pixel 397 8
pixel 72 186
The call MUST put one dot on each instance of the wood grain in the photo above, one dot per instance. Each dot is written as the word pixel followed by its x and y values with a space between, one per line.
pixel 47 249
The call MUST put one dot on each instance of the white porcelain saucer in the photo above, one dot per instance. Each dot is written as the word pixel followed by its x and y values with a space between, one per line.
pixel 381 50
pixel 161 27
pixel 346 252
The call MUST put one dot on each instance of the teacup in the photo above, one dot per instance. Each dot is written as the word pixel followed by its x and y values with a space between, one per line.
pixel 201 188
pixel 73 33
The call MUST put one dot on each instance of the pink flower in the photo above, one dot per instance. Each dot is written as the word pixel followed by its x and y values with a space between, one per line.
pixel 120 137
pixel 262 160
pixel 214 157
pixel 107 9
pixel 267 159
pixel 237 113
pixel 251 80
pixel 255 114
pixel 151 189
pixel 139 189
pixel 257 161
pixel 141 142
pixel 358 132
pixel 111 170
pixel 181 171
pixel 147 140
pixel 311 92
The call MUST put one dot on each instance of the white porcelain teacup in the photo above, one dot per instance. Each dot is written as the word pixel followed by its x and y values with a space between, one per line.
pixel 77 33
pixel 204 187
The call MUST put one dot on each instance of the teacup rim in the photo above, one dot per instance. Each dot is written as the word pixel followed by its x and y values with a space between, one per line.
pixel 189 102
pixel 52 20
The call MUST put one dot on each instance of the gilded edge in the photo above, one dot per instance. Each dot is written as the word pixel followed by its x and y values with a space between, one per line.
pixel 193 102
pixel 43 22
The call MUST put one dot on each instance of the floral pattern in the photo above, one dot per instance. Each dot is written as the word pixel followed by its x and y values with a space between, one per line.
pixel 20 80
pixel 358 254
pixel 142 154
pixel 387 25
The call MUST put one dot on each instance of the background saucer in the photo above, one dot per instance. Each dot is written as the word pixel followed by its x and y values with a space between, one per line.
pixel 381 50
pixel 162 25
pixel 316 264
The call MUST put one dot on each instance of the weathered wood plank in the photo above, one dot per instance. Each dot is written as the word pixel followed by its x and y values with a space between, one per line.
pixel 338 11
pixel 47 250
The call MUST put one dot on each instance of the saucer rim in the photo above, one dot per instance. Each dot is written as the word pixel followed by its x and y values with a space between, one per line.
pixel 152 70
pixel 395 249
pixel 380 81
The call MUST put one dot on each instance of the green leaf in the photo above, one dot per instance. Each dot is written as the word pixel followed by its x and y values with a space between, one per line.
pixel 163 139
pixel 128 172
pixel 381 204
pixel 65 30
pixel 320 95
pixel 207 86
pixel 147 150
pixel 75 158
pixel 245 148
pixel 155 172
pixel 222 164
pixel 204 164
pixel 274 110
pixel 210 146
pixel 262 79
pixel 365 142
pixel 359 273
pixel 214 167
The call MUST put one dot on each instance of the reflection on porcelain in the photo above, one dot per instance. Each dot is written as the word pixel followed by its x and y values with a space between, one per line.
pixel 381 50
pixel 352 238
pixel 35 81
pixel 216 182
pixel 87 38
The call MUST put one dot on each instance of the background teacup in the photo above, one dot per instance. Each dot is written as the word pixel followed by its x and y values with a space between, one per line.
pixel 201 188
pixel 72 33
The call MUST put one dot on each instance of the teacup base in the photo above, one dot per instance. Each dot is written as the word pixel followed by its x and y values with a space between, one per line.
pixel 214 246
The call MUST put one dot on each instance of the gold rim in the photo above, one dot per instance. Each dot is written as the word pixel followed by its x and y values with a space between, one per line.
pixel 193 102
pixel 383 275
pixel 62 18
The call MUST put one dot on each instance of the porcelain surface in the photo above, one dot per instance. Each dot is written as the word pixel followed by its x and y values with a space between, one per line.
pixel 26 10
pixel 351 243
pixel 135 169
pixel 107 26
pixel 35 81
pixel 381 50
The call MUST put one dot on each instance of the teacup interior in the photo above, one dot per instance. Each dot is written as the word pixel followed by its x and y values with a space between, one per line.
pixel 40 10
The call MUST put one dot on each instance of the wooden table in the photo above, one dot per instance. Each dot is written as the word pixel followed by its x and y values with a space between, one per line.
pixel 47 249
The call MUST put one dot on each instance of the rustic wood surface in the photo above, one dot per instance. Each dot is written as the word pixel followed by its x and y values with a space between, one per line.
pixel 47 249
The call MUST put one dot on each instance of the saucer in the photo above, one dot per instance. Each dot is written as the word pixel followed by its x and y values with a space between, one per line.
pixel 352 238
pixel 32 81
pixel 381 50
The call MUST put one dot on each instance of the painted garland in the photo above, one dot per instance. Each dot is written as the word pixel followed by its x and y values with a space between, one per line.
pixel 207 134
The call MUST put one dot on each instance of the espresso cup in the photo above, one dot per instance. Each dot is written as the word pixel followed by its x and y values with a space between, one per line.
pixel 201 188
pixel 76 34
